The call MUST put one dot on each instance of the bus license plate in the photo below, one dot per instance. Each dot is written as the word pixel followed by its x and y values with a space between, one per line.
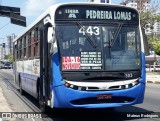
pixel 104 97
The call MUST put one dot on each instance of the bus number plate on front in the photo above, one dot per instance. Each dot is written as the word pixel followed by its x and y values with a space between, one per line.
pixel 104 97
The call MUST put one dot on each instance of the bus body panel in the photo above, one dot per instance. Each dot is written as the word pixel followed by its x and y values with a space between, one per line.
pixel 143 72
pixel 63 97
pixel 28 71
pixel 29 83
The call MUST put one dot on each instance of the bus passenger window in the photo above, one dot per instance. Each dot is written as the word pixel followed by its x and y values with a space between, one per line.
pixel 32 43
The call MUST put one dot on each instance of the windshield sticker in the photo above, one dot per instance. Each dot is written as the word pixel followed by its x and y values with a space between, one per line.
pixel 69 62
pixel 91 60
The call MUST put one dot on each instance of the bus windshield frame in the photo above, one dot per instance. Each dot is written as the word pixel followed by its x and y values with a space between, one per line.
pixel 101 52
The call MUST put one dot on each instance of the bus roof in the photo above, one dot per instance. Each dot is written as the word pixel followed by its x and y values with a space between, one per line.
pixel 51 11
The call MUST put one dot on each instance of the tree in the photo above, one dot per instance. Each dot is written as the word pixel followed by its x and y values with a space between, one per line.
pixel 147 20
pixel 149 17
pixel 156 46
pixel 9 57
pixel 154 42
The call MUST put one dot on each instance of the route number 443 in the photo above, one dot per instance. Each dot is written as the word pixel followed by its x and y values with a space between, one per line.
pixel 92 30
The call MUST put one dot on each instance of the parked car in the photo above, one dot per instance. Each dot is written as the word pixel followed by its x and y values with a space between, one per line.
pixel 7 65
pixel 11 66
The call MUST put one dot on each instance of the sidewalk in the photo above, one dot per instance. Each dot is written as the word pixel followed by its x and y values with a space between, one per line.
pixel 153 78
pixel 4 105
pixel 4 108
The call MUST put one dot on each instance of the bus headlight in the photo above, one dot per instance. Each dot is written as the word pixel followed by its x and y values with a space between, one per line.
pixel 68 85
pixel 135 83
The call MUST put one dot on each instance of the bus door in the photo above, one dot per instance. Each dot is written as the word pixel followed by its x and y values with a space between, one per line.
pixel 45 68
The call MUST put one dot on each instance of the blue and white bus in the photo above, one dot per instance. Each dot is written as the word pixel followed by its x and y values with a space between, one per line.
pixel 82 55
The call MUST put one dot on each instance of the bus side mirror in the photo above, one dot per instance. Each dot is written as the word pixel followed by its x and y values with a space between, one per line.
pixel 51 35
pixel 146 45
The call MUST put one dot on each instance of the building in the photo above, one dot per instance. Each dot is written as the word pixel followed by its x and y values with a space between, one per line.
pixel 100 1
pixel 140 5
pixel 7 48
pixel 2 52
pixel 9 45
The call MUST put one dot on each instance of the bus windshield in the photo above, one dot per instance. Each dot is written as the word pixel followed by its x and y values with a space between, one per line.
pixel 97 46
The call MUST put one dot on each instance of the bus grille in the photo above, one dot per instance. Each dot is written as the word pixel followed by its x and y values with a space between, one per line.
pixel 94 100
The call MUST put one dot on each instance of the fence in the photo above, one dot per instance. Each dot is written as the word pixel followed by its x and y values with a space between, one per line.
pixel 152 68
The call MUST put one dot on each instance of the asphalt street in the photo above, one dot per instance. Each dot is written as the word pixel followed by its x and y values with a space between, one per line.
pixel 151 105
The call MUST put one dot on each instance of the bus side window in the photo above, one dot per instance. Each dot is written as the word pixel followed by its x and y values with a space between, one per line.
pixel 32 43
pixel 20 49
pixel 15 52
pixel 24 47
pixel 36 43
pixel 29 45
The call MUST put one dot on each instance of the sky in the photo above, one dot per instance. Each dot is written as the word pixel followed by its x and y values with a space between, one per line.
pixel 31 9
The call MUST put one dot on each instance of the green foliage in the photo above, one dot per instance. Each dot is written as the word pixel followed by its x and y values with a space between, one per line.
pixel 156 46
pixel 9 57
pixel 154 42
pixel 147 20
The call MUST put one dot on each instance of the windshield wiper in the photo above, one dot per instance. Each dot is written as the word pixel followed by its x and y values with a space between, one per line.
pixel 112 41
pixel 89 38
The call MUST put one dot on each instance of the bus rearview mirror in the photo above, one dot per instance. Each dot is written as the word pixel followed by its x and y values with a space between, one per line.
pixel 51 35
pixel 146 45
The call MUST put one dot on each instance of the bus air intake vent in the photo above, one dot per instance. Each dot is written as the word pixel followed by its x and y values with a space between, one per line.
pixel 94 100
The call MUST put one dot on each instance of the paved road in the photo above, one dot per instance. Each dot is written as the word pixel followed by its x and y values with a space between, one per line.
pixel 151 104
pixel 12 101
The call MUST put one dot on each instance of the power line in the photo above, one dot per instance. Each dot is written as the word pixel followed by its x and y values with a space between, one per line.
pixel 4 25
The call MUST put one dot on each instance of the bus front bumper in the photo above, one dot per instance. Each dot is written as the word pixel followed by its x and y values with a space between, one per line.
pixel 69 98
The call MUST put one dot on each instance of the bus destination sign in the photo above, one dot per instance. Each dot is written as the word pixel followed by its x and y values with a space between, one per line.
pixel 79 12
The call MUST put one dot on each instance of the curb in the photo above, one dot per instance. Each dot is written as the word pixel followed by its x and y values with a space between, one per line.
pixel 154 82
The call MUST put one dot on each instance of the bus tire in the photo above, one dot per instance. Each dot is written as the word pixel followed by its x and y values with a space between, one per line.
pixel 20 87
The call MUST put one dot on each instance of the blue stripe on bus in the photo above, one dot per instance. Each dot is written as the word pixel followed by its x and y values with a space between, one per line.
pixel 63 96
pixel 57 78
pixel 29 76
pixel 143 71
